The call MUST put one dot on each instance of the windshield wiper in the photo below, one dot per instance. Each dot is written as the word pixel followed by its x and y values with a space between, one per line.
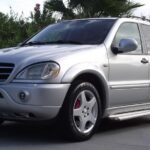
pixel 33 43
pixel 53 42
pixel 65 42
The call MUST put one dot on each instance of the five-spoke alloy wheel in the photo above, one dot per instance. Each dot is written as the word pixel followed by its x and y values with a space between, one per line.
pixel 85 111
pixel 82 111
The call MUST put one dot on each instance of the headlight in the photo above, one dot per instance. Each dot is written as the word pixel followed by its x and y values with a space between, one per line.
pixel 40 71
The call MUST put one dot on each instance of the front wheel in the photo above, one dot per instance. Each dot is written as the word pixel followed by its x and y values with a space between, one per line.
pixel 82 111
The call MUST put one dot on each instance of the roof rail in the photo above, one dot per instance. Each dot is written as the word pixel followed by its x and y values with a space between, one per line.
pixel 143 18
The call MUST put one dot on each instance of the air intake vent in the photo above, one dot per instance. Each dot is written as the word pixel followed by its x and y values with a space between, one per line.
pixel 5 71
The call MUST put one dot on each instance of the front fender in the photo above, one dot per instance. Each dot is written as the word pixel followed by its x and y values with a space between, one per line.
pixel 80 69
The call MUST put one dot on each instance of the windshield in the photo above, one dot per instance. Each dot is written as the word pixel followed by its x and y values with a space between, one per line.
pixel 91 31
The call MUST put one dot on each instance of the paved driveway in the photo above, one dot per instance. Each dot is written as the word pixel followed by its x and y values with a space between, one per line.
pixel 127 135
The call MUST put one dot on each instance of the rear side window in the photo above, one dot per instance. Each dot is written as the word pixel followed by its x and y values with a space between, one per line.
pixel 146 32
pixel 129 31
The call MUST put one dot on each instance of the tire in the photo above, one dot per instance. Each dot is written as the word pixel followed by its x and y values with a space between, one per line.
pixel 82 111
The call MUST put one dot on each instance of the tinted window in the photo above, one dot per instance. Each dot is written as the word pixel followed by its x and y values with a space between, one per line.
pixel 146 31
pixel 129 31
pixel 92 31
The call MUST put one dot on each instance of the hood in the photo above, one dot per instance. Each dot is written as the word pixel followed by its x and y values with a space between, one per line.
pixel 35 54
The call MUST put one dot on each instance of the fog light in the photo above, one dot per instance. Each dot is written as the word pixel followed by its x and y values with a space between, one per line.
pixel 24 96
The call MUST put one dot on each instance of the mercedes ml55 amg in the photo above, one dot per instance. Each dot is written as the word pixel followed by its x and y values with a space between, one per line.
pixel 79 71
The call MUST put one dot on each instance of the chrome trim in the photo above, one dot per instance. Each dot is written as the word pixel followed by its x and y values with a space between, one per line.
pixel 127 86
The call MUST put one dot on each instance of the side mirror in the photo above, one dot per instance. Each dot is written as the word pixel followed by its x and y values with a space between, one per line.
pixel 125 45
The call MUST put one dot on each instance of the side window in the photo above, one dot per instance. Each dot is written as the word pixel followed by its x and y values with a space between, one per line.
pixel 129 31
pixel 146 32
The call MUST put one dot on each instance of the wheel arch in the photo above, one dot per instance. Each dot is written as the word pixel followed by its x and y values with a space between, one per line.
pixel 98 80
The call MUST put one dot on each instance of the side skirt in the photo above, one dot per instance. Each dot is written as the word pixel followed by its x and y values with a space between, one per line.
pixel 128 112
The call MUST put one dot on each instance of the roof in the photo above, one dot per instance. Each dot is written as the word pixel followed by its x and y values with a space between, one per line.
pixel 127 19
pixel 136 20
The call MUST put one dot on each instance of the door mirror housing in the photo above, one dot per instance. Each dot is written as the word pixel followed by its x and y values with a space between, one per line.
pixel 125 45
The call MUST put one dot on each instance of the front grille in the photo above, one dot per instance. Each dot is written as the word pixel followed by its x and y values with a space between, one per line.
pixel 5 71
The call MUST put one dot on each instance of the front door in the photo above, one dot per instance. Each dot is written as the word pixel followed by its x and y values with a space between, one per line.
pixel 128 74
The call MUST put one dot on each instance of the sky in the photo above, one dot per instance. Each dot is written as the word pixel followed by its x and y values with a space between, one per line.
pixel 143 11
pixel 19 6
pixel 26 6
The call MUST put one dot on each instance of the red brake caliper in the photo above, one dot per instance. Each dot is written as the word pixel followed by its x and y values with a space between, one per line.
pixel 77 104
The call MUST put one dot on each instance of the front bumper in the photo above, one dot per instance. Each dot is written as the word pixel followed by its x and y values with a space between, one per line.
pixel 42 102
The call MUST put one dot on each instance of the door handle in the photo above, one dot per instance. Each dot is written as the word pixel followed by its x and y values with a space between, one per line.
pixel 144 61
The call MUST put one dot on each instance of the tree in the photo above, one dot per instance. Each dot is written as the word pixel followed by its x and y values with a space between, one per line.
pixel 39 19
pixel 15 29
pixel 91 8
pixel 12 29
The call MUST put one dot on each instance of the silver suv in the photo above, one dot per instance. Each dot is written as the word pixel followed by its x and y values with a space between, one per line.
pixel 78 72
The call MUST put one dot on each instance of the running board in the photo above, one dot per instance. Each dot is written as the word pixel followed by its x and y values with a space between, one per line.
pixel 129 115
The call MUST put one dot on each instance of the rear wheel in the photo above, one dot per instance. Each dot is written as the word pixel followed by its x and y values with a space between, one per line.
pixel 82 111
